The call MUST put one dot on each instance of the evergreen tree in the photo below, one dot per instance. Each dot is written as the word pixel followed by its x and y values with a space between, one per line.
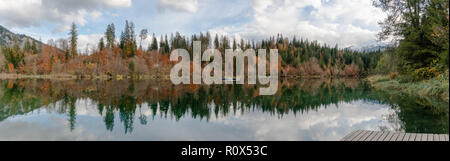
pixel 216 42
pixel 27 46
pixel 154 45
pixel 208 39
pixel 14 55
pixel 110 35
pixel 34 48
pixel 161 44
pixel 225 44
pixel 101 45
pixel 73 39
pixel 414 23
pixel 128 40
pixel 166 46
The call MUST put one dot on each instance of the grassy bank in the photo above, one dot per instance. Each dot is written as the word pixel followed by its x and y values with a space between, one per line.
pixel 435 87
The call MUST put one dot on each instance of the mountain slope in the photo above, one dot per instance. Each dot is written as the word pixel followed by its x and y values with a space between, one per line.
pixel 370 47
pixel 7 38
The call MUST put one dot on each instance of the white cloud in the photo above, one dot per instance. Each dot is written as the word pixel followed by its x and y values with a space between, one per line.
pixel 88 42
pixel 95 14
pixel 115 15
pixel 27 13
pixel 118 3
pixel 345 22
pixel 178 5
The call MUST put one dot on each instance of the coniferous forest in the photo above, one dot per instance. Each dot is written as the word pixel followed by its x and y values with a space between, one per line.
pixel 299 56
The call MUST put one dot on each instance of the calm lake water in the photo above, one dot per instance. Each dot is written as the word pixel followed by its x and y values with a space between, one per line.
pixel 151 110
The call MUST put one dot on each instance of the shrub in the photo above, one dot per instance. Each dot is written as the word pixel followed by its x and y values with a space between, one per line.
pixel 14 56
pixel 393 75
pixel 2 60
pixel 140 65
pixel 425 73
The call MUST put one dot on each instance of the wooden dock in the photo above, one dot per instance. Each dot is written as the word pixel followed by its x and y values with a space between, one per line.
pixel 365 135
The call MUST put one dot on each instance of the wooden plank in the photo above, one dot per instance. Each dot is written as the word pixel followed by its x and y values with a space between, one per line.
pixel 394 137
pixel 406 137
pixel 412 137
pixel 389 136
pixel 382 137
pixel 349 136
pixel 430 137
pixel 418 137
pixel 352 135
pixel 435 137
pixel 376 137
pixel 423 137
pixel 365 136
pixel 357 138
pixel 346 136
pixel 371 136
pixel 400 136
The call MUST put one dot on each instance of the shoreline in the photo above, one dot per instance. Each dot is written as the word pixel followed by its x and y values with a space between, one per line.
pixel 426 88
pixel 7 76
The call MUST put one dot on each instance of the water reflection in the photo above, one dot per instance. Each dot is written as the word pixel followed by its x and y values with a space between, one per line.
pixel 150 110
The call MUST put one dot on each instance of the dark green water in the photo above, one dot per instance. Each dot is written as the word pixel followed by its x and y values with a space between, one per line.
pixel 150 110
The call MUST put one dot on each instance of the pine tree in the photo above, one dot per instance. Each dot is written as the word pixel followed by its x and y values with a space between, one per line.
pixel 154 45
pixel 166 46
pixel 101 45
pixel 225 43
pixel 27 46
pixel 132 41
pixel 14 56
pixel 110 35
pixel 208 39
pixel 34 48
pixel 73 40
pixel 161 45
pixel 128 41
pixel 216 42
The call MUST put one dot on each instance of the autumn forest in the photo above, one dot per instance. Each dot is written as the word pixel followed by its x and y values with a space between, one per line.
pixel 299 57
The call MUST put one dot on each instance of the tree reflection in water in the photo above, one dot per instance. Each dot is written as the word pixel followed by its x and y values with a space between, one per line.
pixel 126 98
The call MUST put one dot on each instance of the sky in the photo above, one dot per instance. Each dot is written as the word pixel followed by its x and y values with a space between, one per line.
pixel 342 22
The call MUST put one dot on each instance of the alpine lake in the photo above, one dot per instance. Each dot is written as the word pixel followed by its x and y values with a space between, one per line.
pixel 302 109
